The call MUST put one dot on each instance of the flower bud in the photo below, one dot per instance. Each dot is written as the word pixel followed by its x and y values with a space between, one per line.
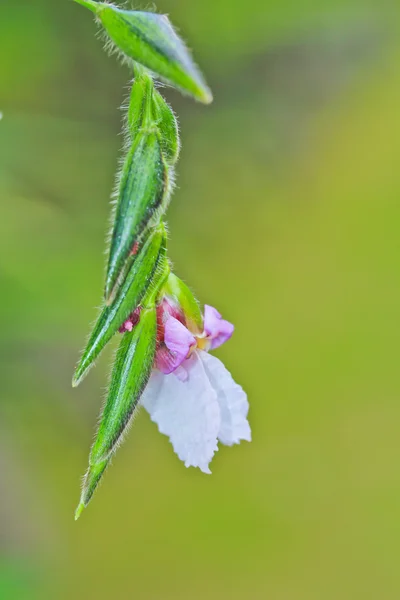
pixel 143 196
pixel 148 271
pixel 150 40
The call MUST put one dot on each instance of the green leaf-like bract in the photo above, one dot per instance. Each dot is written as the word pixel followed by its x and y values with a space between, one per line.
pixel 142 89
pixel 168 127
pixel 150 40
pixel 131 372
pixel 143 196
pixel 179 292
pixel 145 273
pixel 133 364
pixel 148 108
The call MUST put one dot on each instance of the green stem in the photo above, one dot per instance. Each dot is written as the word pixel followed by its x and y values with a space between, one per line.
pixel 148 121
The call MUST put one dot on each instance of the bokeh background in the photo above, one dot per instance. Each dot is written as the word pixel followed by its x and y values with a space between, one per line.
pixel 287 218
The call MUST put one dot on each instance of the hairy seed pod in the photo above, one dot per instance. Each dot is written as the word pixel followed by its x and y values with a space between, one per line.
pixel 142 198
pixel 148 271
pixel 150 40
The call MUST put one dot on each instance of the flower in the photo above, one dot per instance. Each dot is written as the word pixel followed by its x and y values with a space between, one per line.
pixel 176 342
pixel 191 396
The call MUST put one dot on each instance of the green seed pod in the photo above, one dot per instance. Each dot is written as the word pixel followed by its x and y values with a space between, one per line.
pixel 168 127
pixel 143 196
pixel 150 40
pixel 147 272
pixel 131 372
pixel 179 292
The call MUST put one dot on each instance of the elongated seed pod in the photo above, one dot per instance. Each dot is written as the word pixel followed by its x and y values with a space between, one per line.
pixel 132 368
pixel 143 196
pixel 150 40
pixel 149 270
pixel 167 124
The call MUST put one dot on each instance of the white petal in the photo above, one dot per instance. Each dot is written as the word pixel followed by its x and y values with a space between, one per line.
pixel 187 412
pixel 232 402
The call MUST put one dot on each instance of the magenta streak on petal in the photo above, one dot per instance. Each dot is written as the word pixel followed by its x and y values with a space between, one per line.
pixel 178 340
pixel 165 361
pixel 171 309
pixel 216 328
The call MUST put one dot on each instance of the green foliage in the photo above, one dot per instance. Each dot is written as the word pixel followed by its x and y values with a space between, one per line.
pixel 141 94
pixel 168 127
pixel 131 372
pixel 142 198
pixel 150 40
pixel 144 273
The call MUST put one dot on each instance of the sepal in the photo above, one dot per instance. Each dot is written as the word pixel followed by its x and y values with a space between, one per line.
pixel 181 295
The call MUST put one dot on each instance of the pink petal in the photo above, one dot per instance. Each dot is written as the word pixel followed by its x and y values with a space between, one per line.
pixel 216 328
pixel 178 340
pixel 165 361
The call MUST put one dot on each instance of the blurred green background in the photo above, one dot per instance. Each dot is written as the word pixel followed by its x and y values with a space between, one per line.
pixel 287 219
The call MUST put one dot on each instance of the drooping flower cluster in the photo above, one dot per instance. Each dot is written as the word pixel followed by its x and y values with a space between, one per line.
pixel 163 359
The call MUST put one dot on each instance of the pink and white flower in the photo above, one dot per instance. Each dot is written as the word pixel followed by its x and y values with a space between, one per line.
pixel 191 396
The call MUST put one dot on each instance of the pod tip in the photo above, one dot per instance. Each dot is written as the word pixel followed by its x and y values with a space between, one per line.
pixel 206 96
pixel 79 510
pixel 93 6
